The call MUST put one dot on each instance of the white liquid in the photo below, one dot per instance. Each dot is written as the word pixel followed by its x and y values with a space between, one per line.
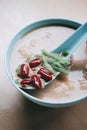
pixel 64 88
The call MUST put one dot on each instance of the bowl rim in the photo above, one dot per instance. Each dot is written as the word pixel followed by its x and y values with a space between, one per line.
pixel 30 27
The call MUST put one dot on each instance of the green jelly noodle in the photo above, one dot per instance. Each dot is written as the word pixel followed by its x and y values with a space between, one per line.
pixel 54 62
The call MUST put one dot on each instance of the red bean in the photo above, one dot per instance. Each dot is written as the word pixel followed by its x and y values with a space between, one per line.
pixel 35 62
pixel 26 81
pixel 24 72
pixel 36 81
pixel 45 74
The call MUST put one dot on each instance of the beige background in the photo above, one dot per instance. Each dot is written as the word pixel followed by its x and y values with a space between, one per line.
pixel 16 112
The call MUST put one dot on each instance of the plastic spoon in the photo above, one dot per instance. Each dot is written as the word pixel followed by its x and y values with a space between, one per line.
pixel 71 44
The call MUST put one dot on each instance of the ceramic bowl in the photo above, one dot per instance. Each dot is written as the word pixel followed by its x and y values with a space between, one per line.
pixel 32 34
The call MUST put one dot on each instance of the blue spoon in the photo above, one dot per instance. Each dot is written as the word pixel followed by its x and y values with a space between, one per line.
pixel 71 44
pixel 74 41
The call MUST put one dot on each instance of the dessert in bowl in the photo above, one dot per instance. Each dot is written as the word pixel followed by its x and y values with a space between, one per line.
pixel 47 34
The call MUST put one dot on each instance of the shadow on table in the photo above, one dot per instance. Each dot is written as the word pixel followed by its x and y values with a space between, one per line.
pixel 36 117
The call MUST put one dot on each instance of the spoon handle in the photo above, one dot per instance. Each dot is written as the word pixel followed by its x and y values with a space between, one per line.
pixel 74 40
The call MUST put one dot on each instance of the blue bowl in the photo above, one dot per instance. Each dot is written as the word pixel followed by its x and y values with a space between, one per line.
pixel 29 28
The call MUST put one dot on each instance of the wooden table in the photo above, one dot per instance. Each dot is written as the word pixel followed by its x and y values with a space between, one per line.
pixel 16 112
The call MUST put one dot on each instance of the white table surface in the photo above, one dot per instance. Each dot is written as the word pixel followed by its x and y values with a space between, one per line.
pixel 16 112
